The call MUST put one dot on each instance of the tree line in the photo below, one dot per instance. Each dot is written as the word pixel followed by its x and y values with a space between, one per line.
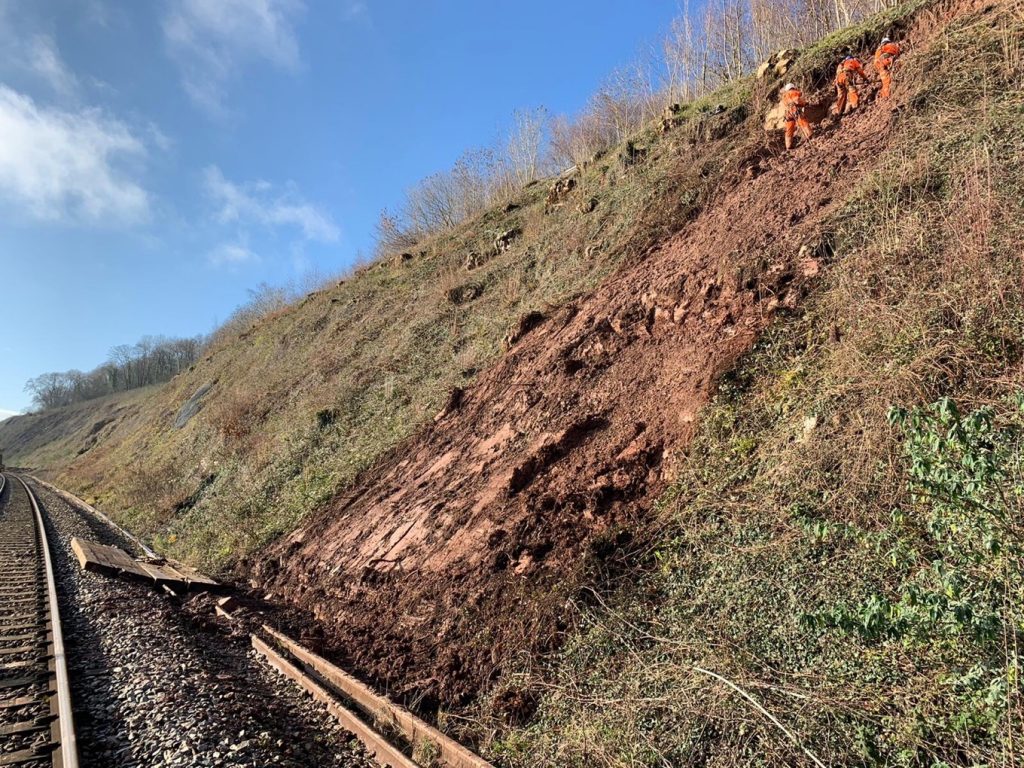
pixel 708 45
pixel 152 360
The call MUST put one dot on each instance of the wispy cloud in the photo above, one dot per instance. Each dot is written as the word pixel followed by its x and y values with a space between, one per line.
pixel 259 202
pixel 75 165
pixel 356 9
pixel 5 414
pixel 211 39
pixel 45 60
pixel 24 48
pixel 231 254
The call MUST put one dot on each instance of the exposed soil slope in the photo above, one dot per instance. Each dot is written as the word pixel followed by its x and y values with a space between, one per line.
pixel 282 412
pixel 421 572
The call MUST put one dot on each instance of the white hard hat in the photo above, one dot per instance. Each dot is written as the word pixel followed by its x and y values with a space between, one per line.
pixel 788 87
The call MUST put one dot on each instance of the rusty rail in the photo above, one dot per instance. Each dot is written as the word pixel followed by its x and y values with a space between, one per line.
pixel 382 750
pixel 35 694
pixel 420 735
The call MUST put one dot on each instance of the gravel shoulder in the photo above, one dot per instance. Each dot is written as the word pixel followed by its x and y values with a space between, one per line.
pixel 154 687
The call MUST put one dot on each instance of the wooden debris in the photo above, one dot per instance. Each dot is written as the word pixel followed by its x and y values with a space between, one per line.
pixel 111 561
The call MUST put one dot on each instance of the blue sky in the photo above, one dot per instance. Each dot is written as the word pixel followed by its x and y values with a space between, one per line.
pixel 157 159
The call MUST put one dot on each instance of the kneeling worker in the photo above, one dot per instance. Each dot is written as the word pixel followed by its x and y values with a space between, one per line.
pixel 848 74
pixel 794 104
pixel 885 57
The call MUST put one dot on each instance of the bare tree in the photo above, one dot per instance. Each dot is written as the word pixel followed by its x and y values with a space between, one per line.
pixel 151 360
pixel 525 145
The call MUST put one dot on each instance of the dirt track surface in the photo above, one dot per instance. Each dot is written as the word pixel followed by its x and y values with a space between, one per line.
pixel 434 571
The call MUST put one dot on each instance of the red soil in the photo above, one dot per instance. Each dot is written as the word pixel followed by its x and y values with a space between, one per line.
pixel 453 558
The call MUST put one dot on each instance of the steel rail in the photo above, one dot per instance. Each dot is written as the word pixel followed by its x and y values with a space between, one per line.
pixel 63 732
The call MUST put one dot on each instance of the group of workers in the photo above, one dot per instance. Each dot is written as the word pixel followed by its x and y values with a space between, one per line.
pixel 849 74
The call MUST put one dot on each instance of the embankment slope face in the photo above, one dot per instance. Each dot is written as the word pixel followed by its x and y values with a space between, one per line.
pixel 457 554
pixel 281 414
pixel 455 544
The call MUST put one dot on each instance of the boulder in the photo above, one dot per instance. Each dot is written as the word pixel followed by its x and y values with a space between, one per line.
pixel 523 326
pixel 671 117
pixel 504 240
pixel 782 66
pixel 560 190
pixel 632 155
pixel 778 63
pixel 775 119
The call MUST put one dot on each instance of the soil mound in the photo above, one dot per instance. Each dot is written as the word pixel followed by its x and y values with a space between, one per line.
pixel 458 553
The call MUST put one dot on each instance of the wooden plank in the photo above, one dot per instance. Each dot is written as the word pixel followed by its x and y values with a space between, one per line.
pixel 192 576
pixel 77 546
pixel 384 711
pixel 223 613
pixel 383 751
pixel 111 561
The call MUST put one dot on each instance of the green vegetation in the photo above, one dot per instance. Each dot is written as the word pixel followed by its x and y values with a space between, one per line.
pixel 844 544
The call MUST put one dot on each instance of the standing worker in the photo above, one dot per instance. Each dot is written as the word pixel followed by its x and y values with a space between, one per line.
pixel 794 104
pixel 848 74
pixel 885 57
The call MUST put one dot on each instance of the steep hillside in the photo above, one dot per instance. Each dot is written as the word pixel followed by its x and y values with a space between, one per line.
pixel 56 438
pixel 284 416
pixel 610 471
pixel 478 527
pixel 837 574
pixel 456 556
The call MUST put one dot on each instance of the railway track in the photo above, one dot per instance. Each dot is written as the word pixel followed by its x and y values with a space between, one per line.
pixel 36 722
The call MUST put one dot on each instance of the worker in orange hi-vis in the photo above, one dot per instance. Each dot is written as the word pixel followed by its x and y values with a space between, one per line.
pixel 794 104
pixel 885 57
pixel 849 72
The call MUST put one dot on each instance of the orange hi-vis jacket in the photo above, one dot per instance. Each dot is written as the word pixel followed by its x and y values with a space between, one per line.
pixel 850 71
pixel 886 55
pixel 794 102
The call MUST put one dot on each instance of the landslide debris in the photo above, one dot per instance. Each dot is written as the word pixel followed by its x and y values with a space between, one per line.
pixel 456 556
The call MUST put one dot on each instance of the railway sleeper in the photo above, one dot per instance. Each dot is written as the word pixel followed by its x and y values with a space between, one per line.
pixel 39 724
pixel 28 756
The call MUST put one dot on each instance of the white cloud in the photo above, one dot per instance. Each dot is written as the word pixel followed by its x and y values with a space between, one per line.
pixel 211 39
pixel 5 414
pixel 43 58
pixel 231 254
pixel 258 202
pixel 25 49
pixel 356 9
pixel 69 165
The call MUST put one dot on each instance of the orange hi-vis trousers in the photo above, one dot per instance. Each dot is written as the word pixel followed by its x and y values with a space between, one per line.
pixel 847 98
pixel 885 75
pixel 792 124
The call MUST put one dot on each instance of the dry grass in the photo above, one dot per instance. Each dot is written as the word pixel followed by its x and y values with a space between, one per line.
pixel 784 507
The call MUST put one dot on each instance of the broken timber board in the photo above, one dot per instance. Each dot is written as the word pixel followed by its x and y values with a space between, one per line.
pixel 191 575
pixel 111 561
pixel 382 750
pixel 384 711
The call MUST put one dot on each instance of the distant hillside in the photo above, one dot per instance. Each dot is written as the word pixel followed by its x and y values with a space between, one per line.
pixel 54 439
